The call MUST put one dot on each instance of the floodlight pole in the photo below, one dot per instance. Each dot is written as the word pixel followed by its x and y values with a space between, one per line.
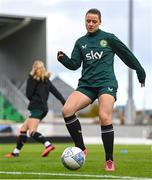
pixel 130 107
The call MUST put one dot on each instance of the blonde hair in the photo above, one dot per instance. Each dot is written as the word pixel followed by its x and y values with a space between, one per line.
pixel 39 71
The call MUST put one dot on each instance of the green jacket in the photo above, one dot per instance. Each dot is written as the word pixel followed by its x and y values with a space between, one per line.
pixel 95 51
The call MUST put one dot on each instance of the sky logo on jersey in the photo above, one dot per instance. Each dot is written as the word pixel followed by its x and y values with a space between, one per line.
pixel 103 43
pixel 94 55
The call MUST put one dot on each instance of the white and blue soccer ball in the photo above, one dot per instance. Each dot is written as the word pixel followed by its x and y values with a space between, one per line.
pixel 73 158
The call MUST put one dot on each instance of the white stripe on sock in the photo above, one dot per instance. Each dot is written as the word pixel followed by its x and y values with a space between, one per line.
pixel 72 121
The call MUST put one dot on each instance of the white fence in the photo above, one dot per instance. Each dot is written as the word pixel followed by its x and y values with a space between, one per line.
pixel 13 95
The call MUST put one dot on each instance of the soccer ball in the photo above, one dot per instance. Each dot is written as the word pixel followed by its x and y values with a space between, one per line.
pixel 73 158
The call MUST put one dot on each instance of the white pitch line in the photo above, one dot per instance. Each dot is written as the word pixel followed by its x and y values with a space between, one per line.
pixel 75 175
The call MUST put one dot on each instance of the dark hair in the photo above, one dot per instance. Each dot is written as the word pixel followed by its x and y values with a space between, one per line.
pixel 94 11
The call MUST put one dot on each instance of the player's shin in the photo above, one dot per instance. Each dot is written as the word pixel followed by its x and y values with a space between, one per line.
pixel 74 127
pixel 107 133
pixel 21 140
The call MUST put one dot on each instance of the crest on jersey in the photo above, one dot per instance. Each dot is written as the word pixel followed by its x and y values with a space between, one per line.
pixel 103 43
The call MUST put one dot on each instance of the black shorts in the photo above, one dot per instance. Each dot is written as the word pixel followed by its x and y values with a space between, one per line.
pixel 38 114
pixel 94 92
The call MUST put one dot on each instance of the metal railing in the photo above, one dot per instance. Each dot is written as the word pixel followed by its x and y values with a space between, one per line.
pixel 13 95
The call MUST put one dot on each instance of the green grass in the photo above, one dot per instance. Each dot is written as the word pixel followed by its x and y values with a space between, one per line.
pixel 137 162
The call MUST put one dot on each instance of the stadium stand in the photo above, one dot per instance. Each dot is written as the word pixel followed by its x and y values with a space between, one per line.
pixel 8 111
pixel 22 40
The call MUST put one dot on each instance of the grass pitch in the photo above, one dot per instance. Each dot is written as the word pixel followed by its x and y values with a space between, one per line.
pixel 132 162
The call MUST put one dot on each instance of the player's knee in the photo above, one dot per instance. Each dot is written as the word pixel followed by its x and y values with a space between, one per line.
pixel 67 111
pixel 23 128
pixel 104 118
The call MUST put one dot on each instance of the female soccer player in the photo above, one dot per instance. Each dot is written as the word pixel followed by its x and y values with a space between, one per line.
pixel 37 92
pixel 95 52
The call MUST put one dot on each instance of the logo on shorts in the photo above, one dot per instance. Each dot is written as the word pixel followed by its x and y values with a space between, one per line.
pixel 110 89
pixel 103 43
pixel 84 46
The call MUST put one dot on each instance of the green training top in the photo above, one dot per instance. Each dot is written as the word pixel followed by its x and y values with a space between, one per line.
pixel 95 51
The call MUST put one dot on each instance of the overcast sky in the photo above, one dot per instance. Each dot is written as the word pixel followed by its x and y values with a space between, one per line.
pixel 65 24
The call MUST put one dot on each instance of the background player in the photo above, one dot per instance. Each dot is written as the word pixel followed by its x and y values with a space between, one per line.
pixel 37 92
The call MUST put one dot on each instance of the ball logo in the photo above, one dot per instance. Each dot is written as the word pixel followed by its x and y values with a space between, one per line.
pixel 103 43
pixel 73 158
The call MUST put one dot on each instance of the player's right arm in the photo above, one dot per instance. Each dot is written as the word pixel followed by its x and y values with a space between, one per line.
pixel 74 62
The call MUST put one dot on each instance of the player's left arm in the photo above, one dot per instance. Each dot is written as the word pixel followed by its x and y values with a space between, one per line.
pixel 127 57
pixel 56 93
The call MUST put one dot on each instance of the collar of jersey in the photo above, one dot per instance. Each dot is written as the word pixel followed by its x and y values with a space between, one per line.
pixel 94 34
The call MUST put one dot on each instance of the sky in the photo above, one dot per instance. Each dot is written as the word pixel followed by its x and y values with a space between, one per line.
pixel 65 24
